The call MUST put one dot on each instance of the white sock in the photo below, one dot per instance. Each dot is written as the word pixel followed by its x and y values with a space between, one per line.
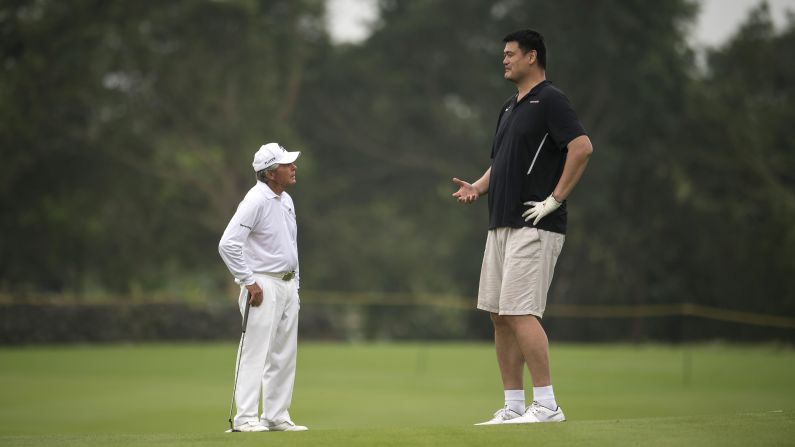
pixel 545 397
pixel 514 400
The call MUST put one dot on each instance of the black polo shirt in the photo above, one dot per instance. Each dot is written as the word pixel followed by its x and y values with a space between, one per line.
pixel 528 155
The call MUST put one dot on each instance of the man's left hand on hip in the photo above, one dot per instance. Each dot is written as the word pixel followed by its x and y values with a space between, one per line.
pixel 539 210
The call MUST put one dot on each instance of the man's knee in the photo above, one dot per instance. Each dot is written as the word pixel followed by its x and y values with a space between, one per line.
pixel 499 321
pixel 515 321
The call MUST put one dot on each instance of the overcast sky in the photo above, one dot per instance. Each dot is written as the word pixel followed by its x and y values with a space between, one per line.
pixel 348 19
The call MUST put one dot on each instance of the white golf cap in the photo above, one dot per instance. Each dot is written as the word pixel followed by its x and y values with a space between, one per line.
pixel 271 154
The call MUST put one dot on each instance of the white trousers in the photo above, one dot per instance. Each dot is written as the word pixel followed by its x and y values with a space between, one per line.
pixel 267 362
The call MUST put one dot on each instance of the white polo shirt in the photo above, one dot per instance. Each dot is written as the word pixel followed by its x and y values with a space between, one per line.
pixel 262 235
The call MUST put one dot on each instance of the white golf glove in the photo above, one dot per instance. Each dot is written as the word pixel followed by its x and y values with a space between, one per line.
pixel 540 209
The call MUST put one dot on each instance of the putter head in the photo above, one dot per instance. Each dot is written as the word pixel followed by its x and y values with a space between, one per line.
pixel 232 430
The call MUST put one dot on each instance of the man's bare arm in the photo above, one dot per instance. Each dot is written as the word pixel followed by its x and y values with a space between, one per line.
pixel 580 150
pixel 469 192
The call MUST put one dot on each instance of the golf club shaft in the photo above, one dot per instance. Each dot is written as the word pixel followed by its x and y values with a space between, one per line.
pixel 245 314
pixel 239 356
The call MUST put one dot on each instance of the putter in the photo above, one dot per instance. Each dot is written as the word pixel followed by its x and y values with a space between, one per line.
pixel 237 368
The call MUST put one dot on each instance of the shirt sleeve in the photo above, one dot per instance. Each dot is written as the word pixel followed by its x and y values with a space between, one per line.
pixel 562 121
pixel 298 265
pixel 234 239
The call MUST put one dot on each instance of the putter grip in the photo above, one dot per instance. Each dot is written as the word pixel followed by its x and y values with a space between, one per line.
pixel 245 314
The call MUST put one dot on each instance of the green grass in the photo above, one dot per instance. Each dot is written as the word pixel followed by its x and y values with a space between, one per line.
pixel 402 394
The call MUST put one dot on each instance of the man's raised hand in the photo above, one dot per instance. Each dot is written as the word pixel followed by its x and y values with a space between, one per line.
pixel 466 192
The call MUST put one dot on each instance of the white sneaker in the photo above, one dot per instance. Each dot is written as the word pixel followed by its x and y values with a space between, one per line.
pixel 538 413
pixel 287 425
pixel 249 427
pixel 501 416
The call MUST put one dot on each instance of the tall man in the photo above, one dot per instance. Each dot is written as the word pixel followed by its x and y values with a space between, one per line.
pixel 260 248
pixel 539 153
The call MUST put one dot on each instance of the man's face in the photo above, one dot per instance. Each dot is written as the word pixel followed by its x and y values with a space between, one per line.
pixel 516 63
pixel 284 175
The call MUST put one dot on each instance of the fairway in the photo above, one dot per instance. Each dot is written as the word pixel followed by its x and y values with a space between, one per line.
pixel 399 394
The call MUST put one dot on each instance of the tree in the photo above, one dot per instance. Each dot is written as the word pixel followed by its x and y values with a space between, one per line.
pixel 128 128
pixel 417 104
pixel 735 182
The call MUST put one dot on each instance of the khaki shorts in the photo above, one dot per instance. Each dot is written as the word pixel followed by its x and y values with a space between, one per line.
pixel 517 269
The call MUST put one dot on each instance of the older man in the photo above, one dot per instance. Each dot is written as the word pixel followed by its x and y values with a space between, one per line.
pixel 260 249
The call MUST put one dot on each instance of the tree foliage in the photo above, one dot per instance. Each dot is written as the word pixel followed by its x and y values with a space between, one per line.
pixel 127 130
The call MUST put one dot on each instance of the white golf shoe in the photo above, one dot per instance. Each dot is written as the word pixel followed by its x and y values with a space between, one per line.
pixel 287 425
pixel 249 427
pixel 501 416
pixel 538 413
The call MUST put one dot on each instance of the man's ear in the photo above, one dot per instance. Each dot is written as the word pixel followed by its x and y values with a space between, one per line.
pixel 532 56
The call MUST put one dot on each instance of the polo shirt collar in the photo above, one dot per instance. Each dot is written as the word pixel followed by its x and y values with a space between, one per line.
pixel 266 190
pixel 538 87
pixel 533 91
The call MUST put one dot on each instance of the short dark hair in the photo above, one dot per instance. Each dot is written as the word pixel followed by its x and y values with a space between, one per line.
pixel 530 40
